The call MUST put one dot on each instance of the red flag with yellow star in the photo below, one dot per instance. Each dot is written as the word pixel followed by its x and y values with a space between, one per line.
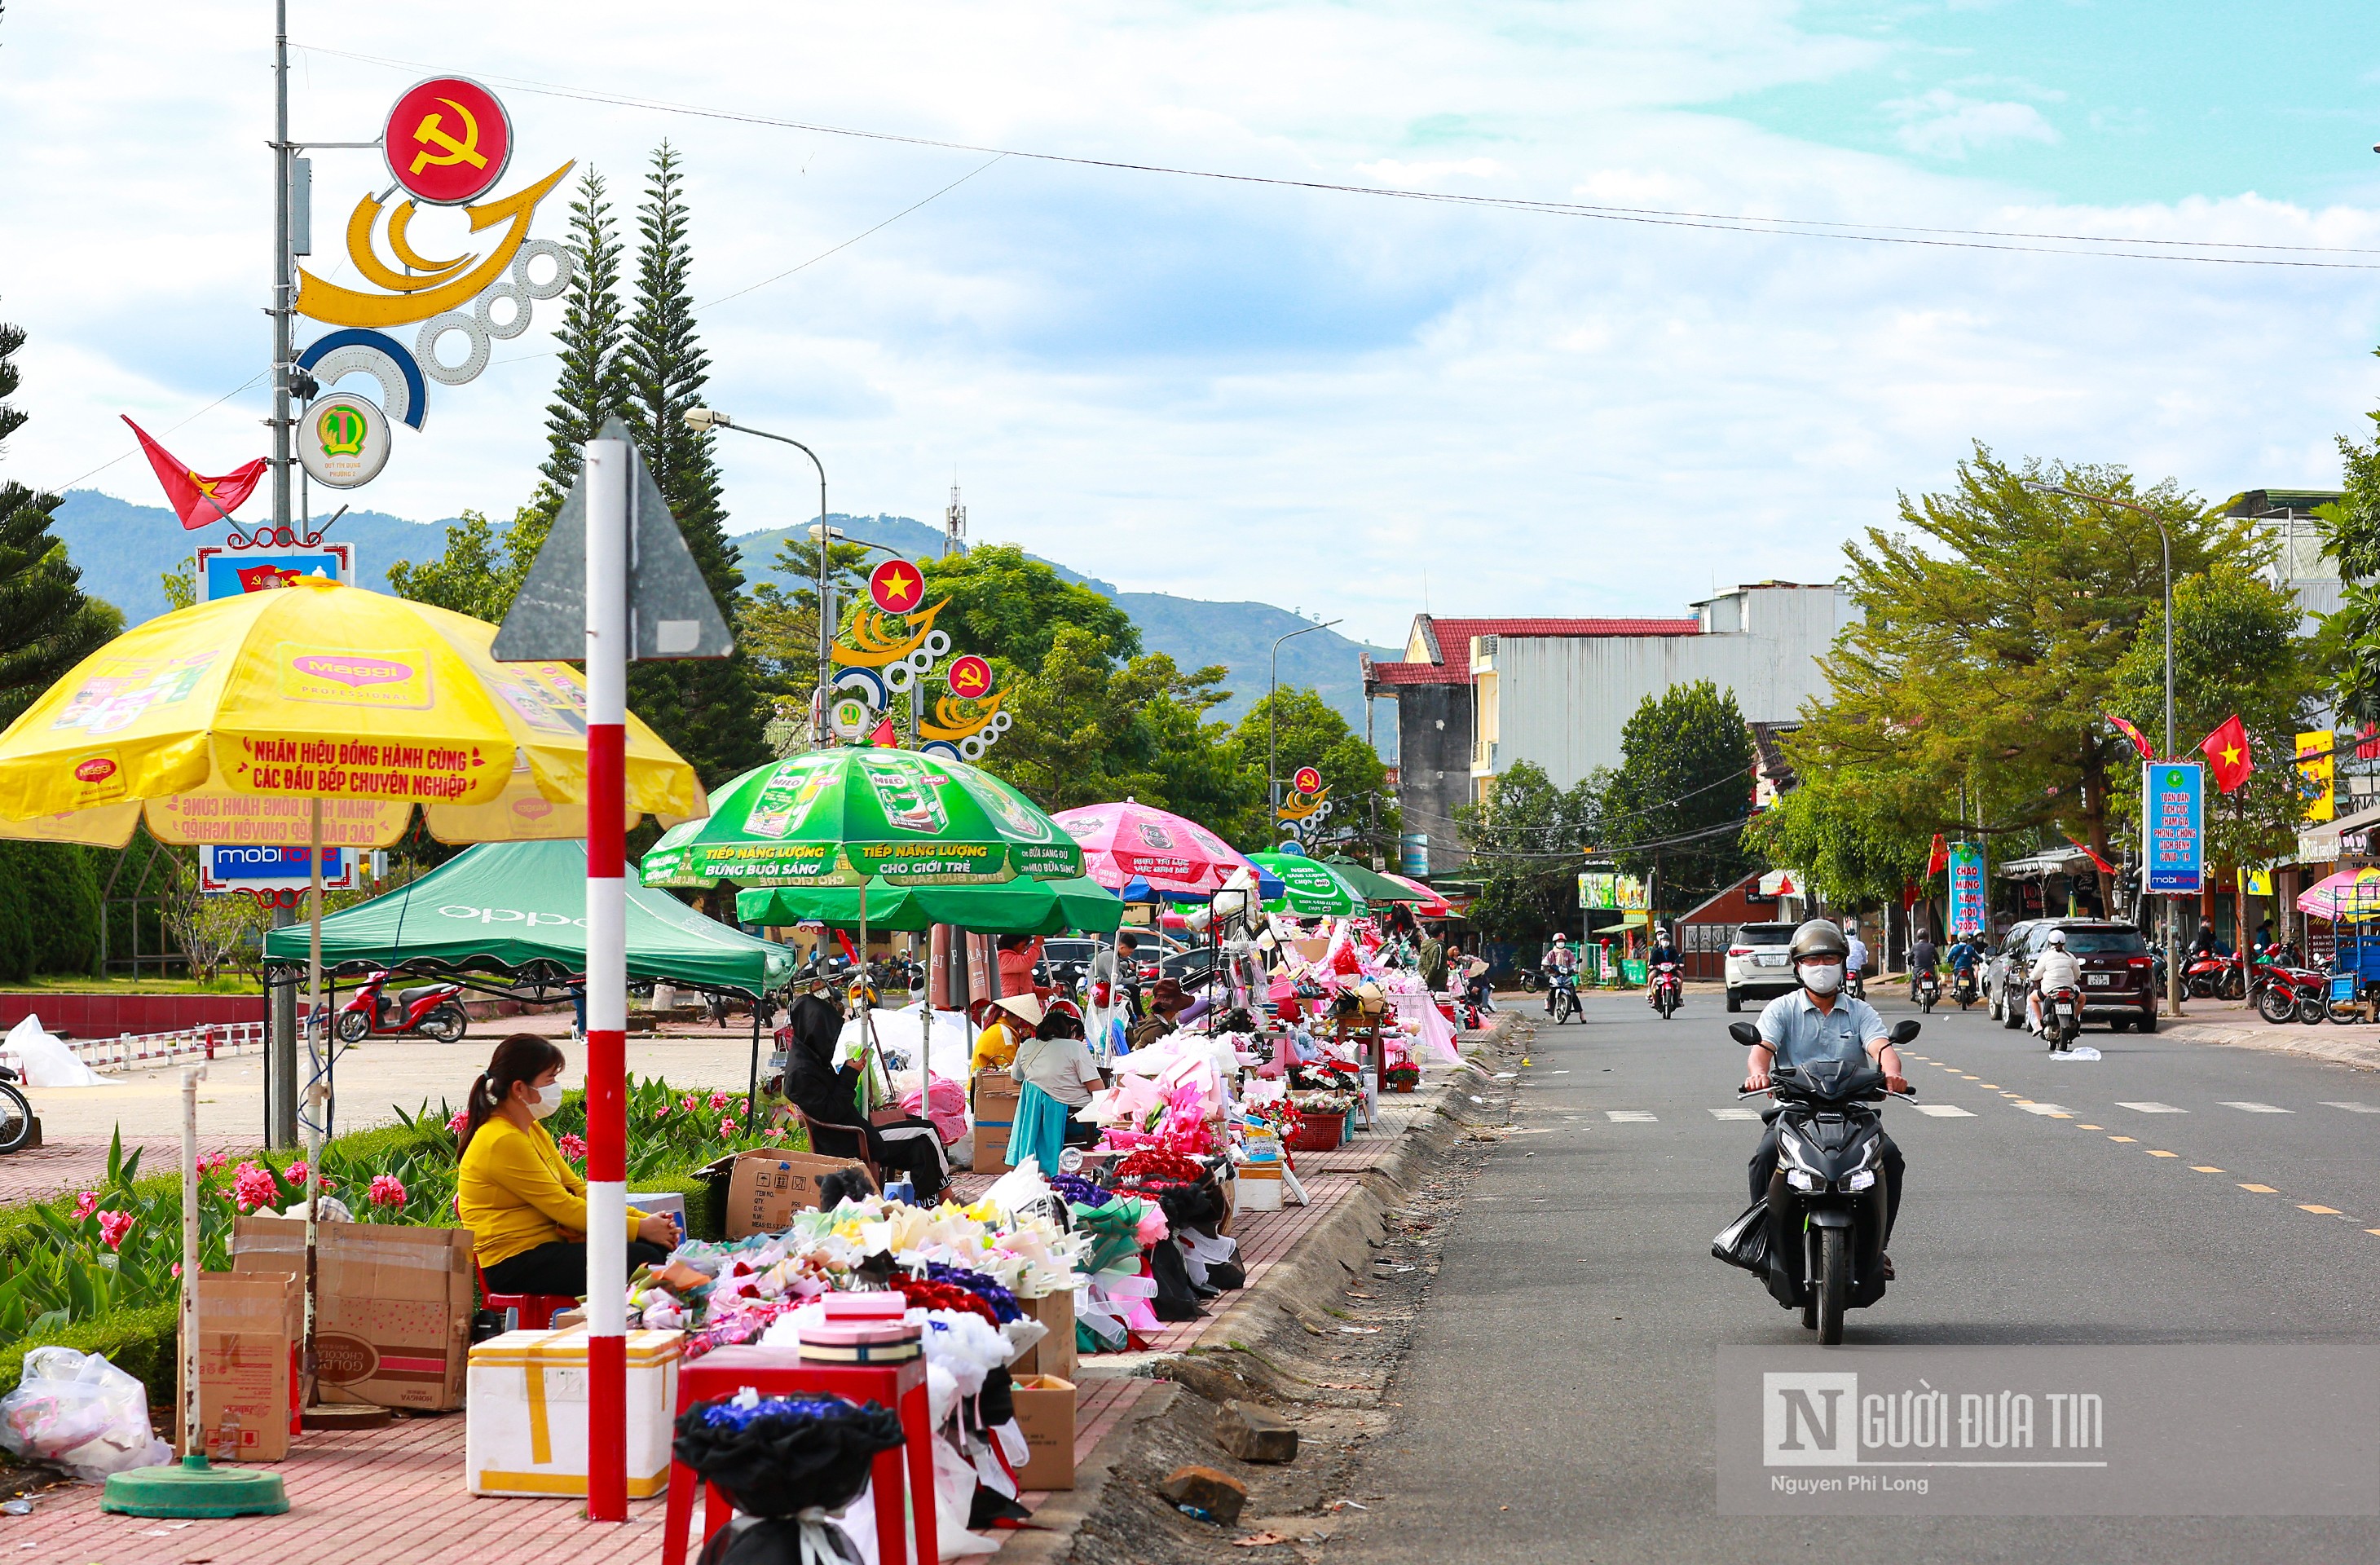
pixel 2227 752
pixel 199 502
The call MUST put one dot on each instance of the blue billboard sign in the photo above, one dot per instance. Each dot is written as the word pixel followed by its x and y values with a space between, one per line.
pixel 240 867
pixel 2172 820
pixel 1967 905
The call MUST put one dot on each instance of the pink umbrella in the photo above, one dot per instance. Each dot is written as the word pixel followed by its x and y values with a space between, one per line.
pixel 1125 842
pixel 1436 907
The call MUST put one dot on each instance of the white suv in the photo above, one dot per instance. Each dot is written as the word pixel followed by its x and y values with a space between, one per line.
pixel 1759 962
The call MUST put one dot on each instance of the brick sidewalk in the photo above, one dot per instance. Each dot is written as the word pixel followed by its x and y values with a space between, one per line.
pixel 396 1495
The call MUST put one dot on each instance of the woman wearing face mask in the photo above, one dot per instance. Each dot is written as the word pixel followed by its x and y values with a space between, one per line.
pixel 525 1206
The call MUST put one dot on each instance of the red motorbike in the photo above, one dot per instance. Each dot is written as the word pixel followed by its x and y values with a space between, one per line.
pixel 2291 994
pixel 2212 976
pixel 431 1011
pixel 1668 990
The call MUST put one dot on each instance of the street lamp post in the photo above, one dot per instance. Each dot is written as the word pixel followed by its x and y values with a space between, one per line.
pixel 1272 724
pixel 2165 546
pixel 711 418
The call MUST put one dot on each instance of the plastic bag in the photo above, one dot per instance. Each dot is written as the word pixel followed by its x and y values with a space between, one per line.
pixel 1745 1242
pixel 80 1412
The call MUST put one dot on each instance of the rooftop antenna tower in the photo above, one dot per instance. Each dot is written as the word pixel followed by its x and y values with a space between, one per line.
pixel 954 526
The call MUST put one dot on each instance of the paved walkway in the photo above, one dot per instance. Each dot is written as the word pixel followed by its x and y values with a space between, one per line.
pixel 394 1496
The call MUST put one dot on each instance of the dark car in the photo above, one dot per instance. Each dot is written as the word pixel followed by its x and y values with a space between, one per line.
pixel 2118 975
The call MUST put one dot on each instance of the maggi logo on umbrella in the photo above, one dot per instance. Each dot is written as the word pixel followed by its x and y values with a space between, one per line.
pixel 356 673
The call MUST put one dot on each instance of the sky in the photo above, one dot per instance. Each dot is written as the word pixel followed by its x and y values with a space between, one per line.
pixel 1353 404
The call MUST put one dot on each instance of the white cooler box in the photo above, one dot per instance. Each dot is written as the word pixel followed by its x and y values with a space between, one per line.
pixel 1257 1187
pixel 525 1429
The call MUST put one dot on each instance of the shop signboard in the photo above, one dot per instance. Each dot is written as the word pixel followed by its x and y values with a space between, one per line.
pixel 2316 770
pixel 2173 793
pixel 1966 890
pixel 251 867
pixel 1603 888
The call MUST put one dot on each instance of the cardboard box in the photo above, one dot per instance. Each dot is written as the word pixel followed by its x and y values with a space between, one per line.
pixel 1045 1411
pixel 527 1429
pixel 765 1189
pixel 393 1311
pixel 994 1100
pixel 1055 1354
pixel 250 1327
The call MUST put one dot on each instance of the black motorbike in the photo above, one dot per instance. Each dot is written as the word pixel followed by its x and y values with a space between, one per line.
pixel 1963 987
pixel 2062 1018
pixel 1929 989
pixel 1561 999
pixel 1818 1238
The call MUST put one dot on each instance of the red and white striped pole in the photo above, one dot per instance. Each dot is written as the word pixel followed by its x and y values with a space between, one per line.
pixel 606 488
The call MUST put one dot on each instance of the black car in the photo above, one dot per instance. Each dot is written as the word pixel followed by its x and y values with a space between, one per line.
pixel 2118 975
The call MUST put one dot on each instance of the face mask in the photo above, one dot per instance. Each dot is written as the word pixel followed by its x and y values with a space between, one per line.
pixel 544 1100
pixel 1823 979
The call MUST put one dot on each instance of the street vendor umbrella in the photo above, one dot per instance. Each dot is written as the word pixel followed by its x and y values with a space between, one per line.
pixel 2350 896
pixel 1127 842
pixel 1374 886
pixel 1011 907
pixel 1311 888
pixel 1426 902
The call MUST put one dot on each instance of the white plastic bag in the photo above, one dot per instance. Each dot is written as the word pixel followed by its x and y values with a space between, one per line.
pixel 80 1412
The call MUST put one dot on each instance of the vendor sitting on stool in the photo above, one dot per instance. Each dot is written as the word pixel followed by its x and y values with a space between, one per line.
pixel 1059 1075
pixel 1007 1022
pixel 526 1206
pixel 827 1097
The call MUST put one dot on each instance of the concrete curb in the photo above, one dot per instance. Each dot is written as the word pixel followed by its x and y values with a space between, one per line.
pixel 2339 1046
pixel 1344 1230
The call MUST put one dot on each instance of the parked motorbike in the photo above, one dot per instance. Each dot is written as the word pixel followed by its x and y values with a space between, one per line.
pixel 429 1011
pixel 2212 975
pixel 1963 987
pixel 1825 1213
pixel 1668 992
pixel 2061 1017
pixel 1929 989
pixel 2291 994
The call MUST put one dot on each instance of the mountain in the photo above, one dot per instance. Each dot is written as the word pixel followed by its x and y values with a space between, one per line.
pixel 123 549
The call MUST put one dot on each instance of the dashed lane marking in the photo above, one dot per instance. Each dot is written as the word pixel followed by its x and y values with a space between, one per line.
pixel 2156 1154
pixel 2119 1138
pixel 2257 1108
pixel 2352 1108
pixel 1631 1117
pixel 2203 1167
pixel 2149 1108
pixel 1943 1110
pixel 1730 1113
pixel 2261 1189
pixel 2319 1211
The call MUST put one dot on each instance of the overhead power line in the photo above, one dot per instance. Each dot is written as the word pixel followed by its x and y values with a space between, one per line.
pixel 2201 251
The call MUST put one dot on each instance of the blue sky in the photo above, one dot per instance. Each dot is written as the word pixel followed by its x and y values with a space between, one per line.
pixel 1354 404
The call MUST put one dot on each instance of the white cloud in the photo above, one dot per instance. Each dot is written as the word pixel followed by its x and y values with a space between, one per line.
pixel 1225 390
pixel 1941 124
pixel 1429 173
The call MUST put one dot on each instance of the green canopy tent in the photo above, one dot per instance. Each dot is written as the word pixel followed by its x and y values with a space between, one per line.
pixel 519 909
pixel 1311 888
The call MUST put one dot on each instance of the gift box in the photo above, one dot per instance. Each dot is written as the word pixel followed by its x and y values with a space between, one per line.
pixel 526 1432
pixel 859 1329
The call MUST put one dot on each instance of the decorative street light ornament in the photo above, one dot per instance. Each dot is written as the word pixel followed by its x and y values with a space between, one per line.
pixel 896 587
pixel 343 441
pixel 894 649
pixel 970 678
pixel 448 141
pixel 354 351
pixel 1307 780
pixel 436 287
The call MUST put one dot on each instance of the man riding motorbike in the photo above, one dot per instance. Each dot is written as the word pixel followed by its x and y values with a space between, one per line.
pixel 1856 960
pixel 2054 969
pixel 1561 968
pixel 1922 959
pixel 1817 1021
pixel 1664 953
pixel 1964 955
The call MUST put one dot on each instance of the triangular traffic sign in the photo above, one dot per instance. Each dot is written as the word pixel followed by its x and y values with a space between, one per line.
pixel 671 612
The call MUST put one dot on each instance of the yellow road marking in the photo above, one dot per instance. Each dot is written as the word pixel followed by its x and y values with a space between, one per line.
pixel 1964 1078
pixel 2367 1231
pixel 2194 1168
pixel 2153 1154
pixel 2058 1116
pixel 2111 1139
pixel 2261 1189
pixel 2319 1211
pixel 1988 1087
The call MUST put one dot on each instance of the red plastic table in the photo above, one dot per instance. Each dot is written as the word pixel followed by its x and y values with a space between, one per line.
pixel 722 1372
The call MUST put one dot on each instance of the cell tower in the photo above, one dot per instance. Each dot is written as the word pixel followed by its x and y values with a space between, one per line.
pixel 954 526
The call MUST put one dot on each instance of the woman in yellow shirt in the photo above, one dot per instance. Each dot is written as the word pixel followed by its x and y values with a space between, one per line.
pixel 525 1206
pixel 1007 1022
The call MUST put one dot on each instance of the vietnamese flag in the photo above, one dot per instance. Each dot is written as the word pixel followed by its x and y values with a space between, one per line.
pixel 2227 751
pixel 199 502
pixel 1940 858
pixel 2140 741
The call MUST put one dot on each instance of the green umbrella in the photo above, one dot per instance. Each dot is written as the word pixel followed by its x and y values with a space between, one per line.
pixel 858 817
pixel 1374 886
pixel 1014 907
pixel 1312 888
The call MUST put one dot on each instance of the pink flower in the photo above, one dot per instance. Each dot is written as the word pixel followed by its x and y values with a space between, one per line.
pixel 774 1133
pixel 178 1265
pixel 462 1120
pixel 720 1100
pixel 726 1125
pixel 252 1187
pixel 297 1174
pixel 692 1104
pixel 113 1225
pixel 212 1161
pixel 387 1190
pixel 573 1146
pixel 88 1202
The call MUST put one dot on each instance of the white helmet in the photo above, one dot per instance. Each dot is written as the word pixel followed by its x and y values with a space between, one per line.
pixel 1561 939
pixel 2057 939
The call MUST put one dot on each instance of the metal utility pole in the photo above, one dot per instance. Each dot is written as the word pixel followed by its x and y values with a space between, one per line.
pixel 1272 727
pixel 281 1045
pixel 954 526
pixel 711 418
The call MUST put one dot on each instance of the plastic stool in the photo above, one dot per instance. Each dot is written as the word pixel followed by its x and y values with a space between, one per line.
pixel 524 1312
pixel 722 1372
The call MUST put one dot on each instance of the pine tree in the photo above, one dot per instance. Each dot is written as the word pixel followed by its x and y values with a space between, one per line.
pixel 593 385
pixel 46 623
pixel 707 711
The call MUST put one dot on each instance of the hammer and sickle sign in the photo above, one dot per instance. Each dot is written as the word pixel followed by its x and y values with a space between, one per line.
pixel 970 679
pixel 432 133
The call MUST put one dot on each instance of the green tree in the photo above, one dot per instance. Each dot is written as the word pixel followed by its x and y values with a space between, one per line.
pixel 779 627
pixel 1005 604
pixel 1298 728
pixel 1683 784
pixel 1981 665
pixel 480 570
pixel 2237 652
pixel 2349 650
pixel 1526 838
pixel 46 623
pixel 707 711
pixel 593 385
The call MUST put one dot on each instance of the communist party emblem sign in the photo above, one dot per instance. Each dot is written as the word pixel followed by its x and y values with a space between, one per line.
pixel 447 140
pixel 896 587
pixel 971 677
pixel 1307 780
